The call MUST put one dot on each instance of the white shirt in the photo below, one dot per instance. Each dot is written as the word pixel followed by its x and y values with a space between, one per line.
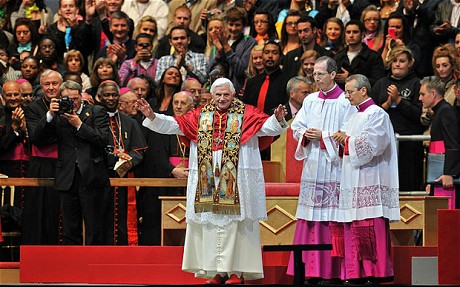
pixel 320 181
pixel 155 8
pixel 250 177
pixel 369 181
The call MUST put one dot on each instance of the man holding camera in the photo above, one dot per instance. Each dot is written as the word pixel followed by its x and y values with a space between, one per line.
pixel 142 64
pixel 81 170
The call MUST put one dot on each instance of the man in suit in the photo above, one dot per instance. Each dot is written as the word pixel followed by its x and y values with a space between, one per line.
pixel 268 90
pixel 298 89
pixel 81 170
pixel 283 149
pixel 276 90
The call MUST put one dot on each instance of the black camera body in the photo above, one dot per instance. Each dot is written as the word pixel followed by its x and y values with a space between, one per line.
pixel 209 15
pixel 65 105
pixel 144 45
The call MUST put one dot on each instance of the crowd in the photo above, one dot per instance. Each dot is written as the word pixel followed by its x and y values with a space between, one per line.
pixel 104 59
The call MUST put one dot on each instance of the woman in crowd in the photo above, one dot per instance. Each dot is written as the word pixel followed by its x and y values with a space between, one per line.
pixel 402 36
pixel 457 46
pixel 445 66
pixel 289 36
pixel 29 71
pixel 147 25
pixel 103 69
pixel 398 94
pixel 25 39
pixel 8 7
pixel 387 7
pixel 333 36
pixel 37 12
pixel 256 65
pixel 308 60
pixel 216 35
pixel 373 24
pixel 74 62
pixel 263 27
pixel 170 83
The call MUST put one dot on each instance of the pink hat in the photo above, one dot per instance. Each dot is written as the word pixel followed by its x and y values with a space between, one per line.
pixel 20 81
pixel 124 90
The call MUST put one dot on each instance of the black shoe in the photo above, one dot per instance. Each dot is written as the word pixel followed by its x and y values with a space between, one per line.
pixel 329 282
pixel 353 282
pixel 371 282
pixel 312 281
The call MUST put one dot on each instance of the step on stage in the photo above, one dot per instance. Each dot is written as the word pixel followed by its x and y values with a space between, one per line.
pixel 154 266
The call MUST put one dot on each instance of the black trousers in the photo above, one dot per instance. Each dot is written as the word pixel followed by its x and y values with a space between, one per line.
pixel 82 204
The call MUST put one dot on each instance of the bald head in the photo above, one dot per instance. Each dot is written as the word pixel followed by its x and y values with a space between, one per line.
pixel 193 86
pixel 27 93
pixel 139 86
pixel 182 103
pixel 12 95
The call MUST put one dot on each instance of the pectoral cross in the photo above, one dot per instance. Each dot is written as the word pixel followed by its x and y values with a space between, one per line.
pixel 218 141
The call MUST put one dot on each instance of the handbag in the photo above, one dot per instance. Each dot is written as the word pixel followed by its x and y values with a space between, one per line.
pixel 435 168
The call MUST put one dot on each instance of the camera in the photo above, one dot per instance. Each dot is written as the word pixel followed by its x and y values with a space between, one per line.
pixel 65 105
pixel 144 45
pixel 209 15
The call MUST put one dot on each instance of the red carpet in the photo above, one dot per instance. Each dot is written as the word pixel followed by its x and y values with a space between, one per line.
pixel 123 265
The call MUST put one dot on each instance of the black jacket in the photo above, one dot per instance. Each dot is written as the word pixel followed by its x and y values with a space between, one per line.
pixel 83 148
pixel 291 62
pixel 367 62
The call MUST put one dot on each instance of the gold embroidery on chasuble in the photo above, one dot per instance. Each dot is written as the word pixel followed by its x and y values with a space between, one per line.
pixel 222 199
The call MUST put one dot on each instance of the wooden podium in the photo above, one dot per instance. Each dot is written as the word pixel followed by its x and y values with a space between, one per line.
pixel 418 212
pixel 277 229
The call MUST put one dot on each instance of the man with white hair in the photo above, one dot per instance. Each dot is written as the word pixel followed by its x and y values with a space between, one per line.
pixel 40 218
pixel 225 191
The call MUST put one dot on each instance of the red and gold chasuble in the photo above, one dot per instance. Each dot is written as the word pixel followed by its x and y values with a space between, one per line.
pixel 215 130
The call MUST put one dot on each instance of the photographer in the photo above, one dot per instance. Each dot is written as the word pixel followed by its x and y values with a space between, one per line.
pixel 81 170
pixel 142 64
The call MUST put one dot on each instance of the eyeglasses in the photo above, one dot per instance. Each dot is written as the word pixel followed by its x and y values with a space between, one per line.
pixel 319 75
pixel 273 41
pixel 371 20
pixel 350 92
pixel 27 95
pixel 291 23
pixel 257 22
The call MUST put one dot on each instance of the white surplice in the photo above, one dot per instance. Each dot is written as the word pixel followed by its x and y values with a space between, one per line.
pixel 369 185
pixel 219 243
pixel 320 182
